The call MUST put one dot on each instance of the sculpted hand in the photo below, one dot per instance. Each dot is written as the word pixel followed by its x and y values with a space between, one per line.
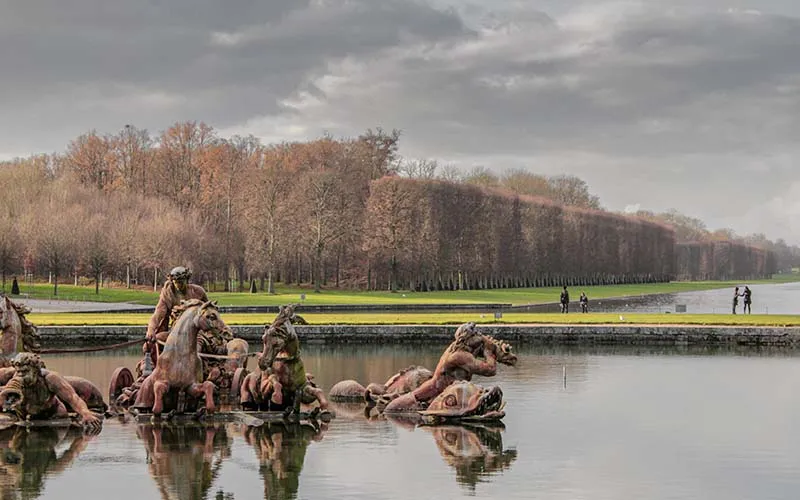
pixel 91 422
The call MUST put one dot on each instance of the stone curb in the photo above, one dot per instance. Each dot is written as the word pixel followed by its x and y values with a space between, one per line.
pixel 533 334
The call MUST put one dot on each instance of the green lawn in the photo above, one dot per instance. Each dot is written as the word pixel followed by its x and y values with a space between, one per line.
pixel 284 295
pixel 71 319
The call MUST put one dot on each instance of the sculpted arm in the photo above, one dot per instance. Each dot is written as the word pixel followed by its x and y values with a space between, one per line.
pixel 6 374
pixel 486 368
pixel 64 391
pixel 160 315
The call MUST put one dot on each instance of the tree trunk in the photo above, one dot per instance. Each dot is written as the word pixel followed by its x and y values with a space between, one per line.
pixel 155 279
pixel 338 263
pixel 393 277
pixel 97 283
pixel 317 266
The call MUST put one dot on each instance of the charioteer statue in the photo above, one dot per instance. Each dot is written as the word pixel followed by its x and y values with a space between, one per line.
pixel 221 353
pixel 176 289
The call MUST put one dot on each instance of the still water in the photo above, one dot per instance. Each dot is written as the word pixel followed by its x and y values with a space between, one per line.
pixel 645 423
pixel 767 299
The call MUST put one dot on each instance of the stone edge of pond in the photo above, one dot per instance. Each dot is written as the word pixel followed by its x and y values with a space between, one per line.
pixel 529 334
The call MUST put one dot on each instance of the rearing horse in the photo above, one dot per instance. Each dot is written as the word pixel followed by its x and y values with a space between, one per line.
pixel 179 366
pixel 281 382
pixel 17 333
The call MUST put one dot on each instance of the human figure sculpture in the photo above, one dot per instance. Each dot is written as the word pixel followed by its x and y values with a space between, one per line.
pixel 36 393
pixel 175 290
pixel 406 380
pixel 471 353
pixel 179 367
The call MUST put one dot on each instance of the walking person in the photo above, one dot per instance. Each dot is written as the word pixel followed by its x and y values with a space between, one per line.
pixel 584 300
pixel 565 301
pixel 748 300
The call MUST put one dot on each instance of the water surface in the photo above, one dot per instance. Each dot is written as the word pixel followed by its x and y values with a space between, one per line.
pixel 767 299
pixel 654 423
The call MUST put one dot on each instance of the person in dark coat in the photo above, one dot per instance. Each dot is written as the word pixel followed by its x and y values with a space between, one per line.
pixel 748 300
pixel 565 300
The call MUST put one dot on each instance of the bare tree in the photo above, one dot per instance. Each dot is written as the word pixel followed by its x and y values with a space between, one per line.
pixel 481 176
pixel 133 157
pixel 10 247
pixel 450 173
pixel 418 169
pixel 89 157
pixel 51 229
pixel 181 149
pixel 573 191
pixel 266 192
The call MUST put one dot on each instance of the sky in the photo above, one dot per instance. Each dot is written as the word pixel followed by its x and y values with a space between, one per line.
pixel 657 104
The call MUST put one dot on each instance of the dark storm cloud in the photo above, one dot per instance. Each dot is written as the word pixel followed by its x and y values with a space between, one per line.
pixel 96 66
pixel 655 103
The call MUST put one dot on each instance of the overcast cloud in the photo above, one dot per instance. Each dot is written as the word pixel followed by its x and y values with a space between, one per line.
pixel 657 103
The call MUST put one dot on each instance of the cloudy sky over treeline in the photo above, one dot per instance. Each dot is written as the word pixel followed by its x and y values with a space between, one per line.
pixel 655 103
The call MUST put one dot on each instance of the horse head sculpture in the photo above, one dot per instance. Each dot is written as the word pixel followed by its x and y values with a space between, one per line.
pixel 17 333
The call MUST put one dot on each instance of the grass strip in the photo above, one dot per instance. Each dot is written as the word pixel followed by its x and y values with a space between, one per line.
pixel 284 295
pixel 115 319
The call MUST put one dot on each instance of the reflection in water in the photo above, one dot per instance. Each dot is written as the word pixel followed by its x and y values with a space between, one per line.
pixel 475 451
pixel 184 460
pixel 281 451
pixel 28 456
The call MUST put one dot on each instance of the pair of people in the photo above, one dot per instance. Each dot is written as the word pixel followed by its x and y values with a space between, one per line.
pixel 584 301
pixel 748 299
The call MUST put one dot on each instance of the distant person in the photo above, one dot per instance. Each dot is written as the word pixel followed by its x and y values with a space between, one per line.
pixel 735 299
pixel 584 300
pixel 15 287
pixel 748 300
pixel 565 301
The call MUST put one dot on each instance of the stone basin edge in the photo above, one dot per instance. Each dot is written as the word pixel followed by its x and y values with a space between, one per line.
pixel 520 333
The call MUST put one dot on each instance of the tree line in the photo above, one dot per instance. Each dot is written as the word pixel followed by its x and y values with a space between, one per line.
pixel 723 260
pixel 344 212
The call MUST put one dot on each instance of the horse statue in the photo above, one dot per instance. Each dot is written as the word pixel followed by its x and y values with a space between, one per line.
pixel 17 334
pixel 281 382
pixel 179 367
